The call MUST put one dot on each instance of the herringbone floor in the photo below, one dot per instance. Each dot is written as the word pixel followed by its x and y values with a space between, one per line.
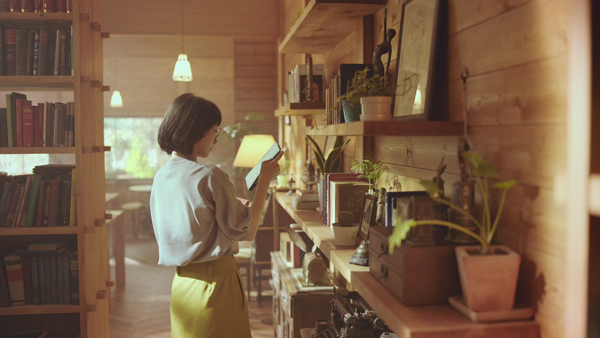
pixel 142 308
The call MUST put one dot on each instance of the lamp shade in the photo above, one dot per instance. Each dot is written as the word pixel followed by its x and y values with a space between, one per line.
pixel 116 101
pixel 183 70
pixel 252 149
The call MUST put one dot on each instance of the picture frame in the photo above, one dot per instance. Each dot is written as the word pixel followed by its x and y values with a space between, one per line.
pixel 366 216
pixel 416 60
pixel 391 202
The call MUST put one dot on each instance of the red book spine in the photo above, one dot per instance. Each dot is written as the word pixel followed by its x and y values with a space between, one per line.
pixel 48 6
pixel 15 5
pixel 10 52
pixel 38 126
pixel 27 125
pixel 61 6
pixel 26 5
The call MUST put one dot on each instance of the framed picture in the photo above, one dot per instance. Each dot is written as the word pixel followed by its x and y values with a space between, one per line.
pixel 365 218
pixel 391 203
pixel 416 60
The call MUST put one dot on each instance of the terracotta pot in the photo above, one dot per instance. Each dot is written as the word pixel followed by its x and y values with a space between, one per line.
pixel 488 282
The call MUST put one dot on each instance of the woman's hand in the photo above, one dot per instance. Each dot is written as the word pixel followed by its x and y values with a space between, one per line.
pixel 270 169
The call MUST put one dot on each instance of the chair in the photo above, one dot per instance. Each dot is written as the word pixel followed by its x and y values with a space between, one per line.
pixel 244 260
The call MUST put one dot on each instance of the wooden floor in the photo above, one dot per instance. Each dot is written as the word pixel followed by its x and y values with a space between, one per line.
pixel 142 308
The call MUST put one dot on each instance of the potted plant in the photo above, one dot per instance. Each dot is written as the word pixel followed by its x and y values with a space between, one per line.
pixel 345 229
pixel 283 177
pixel 488 273
pixel 373 94
pixel 371 169
pixel 329 164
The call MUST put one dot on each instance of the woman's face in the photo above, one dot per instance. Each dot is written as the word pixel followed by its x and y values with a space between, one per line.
pixel 203 147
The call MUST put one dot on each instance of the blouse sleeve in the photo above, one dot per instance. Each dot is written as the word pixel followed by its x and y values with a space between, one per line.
pixel 232 217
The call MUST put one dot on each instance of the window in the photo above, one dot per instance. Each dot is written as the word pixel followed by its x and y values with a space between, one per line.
pixel 21 164
pixel 134 149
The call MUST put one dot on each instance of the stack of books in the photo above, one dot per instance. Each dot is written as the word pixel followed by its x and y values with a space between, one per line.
pixel 305 200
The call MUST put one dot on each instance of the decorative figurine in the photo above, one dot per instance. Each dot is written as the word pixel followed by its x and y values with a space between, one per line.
pixel 385 47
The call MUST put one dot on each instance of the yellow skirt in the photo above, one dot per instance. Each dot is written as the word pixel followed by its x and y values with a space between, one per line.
pixel 208 300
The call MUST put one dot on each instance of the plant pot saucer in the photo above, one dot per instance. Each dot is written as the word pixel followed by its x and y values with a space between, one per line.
pixel 519 312
pixel 375 117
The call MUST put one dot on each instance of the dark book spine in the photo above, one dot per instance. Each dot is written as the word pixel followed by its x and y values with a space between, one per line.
pixel 53 279
pixel 45 283
pixel 10 52
pixel 59 280
pixel 74 278
pixel 53 199
pixel 35 280
pixel 2 41
pixel 30 46
pixel 66 272
pixel 38 128
pixel 51 52
pixel 4 293
pixel 21 52
pixel 48 110
pixel 33 201
pixel 61 124
pixel 62 66
pixel 39 221
pixel 5 193
pixel 36 53
pixel 12 209
pixel 3 128
pixel 59 33
pixel 65 199
pixel 43 50
pixel 4 5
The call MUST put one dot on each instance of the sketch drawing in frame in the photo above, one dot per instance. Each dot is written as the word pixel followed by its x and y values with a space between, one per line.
pixel 366 216
pixel 415 67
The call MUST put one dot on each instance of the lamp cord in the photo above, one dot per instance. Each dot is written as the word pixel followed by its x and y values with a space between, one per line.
pixel 182 27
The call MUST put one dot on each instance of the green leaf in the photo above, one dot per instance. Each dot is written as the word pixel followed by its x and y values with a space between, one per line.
pixel 480 166
pixel 399 234
pixel 431 187
pixel 506 184
pixel 316 148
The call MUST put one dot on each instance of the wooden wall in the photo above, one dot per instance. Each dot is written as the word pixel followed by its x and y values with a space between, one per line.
pixel 516 55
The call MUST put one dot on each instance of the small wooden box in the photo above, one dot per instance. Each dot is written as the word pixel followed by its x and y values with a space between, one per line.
pixel 415 275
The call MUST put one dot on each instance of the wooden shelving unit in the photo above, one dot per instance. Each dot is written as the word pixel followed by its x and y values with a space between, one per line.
pixel 406 321
pixel 389 128
pixel 90 317
pixel 325 23
pixel 38 150
pixel 301 109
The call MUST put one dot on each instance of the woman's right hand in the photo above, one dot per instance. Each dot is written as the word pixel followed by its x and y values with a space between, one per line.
pixel 269 169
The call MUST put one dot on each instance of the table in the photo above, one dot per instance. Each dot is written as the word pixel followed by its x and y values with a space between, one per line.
pixel 116 234
pixel 141 188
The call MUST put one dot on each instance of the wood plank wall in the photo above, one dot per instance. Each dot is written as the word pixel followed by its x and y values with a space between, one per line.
pixel 516 55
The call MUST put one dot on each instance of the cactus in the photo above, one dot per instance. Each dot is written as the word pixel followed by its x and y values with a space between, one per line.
pixel 345 219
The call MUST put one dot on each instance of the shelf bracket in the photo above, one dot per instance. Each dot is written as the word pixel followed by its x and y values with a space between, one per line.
pixel 95 26
pixel 105 35
pixel 90 308
pixel 106 88
pixel 101 294
pixel 96 149
pixel 84 17
pixel 96 83
pixel 110 283
pixel 99 222
pixel 108 216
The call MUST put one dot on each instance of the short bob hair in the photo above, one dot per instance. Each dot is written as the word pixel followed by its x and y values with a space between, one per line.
pixel 186 122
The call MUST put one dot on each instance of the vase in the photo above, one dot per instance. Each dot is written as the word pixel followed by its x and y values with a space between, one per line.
pixel 488 282
pixel 351 112
pixel 282 181
pixel 344 236
pixel 376 108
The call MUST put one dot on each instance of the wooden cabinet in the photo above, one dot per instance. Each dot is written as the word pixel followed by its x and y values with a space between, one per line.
pixel 295 308
pixel 90 318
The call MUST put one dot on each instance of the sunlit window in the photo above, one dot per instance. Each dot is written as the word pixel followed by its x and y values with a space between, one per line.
pixel 20 164
pixel 134 149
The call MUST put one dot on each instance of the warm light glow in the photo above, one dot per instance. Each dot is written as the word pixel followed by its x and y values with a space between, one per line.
pixel 116 101
pixel 183 70
pixel 252 149
pixel 418 100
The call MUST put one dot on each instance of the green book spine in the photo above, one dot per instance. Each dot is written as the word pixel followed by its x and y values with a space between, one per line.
pixel 33 199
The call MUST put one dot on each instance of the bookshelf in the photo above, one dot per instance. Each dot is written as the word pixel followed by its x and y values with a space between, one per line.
pixel 406 321
pixel 90 317
pixel 389 128
pixel 301 109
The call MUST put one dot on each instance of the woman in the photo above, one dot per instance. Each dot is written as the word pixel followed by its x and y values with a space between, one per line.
pixel 198 222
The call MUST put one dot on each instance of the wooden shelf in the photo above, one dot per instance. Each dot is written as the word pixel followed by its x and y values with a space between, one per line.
pixel 29 18
pixel 324 23
pixel 37 83
pixel 432 321
pixel 38 309
pixel 389 128
pixel 37 150
pixel 415 321
pixel 301 109
pixel 62 230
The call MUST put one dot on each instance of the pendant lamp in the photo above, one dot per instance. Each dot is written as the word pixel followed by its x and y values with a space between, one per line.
pixel 116 101
pixel 183 70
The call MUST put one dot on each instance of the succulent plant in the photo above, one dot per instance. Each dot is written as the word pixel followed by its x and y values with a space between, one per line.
pixel 345 219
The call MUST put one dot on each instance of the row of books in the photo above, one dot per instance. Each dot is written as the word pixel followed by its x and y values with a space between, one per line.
pixel 47 275
pixel 297 80
pixel 43 51
pixel 47 124
pixel 338 86
pixel 46 198
pixel 342 192
pixel 37 6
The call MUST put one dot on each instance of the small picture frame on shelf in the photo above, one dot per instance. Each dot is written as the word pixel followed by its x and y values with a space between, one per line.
pixel 366 216
pixel 391 203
